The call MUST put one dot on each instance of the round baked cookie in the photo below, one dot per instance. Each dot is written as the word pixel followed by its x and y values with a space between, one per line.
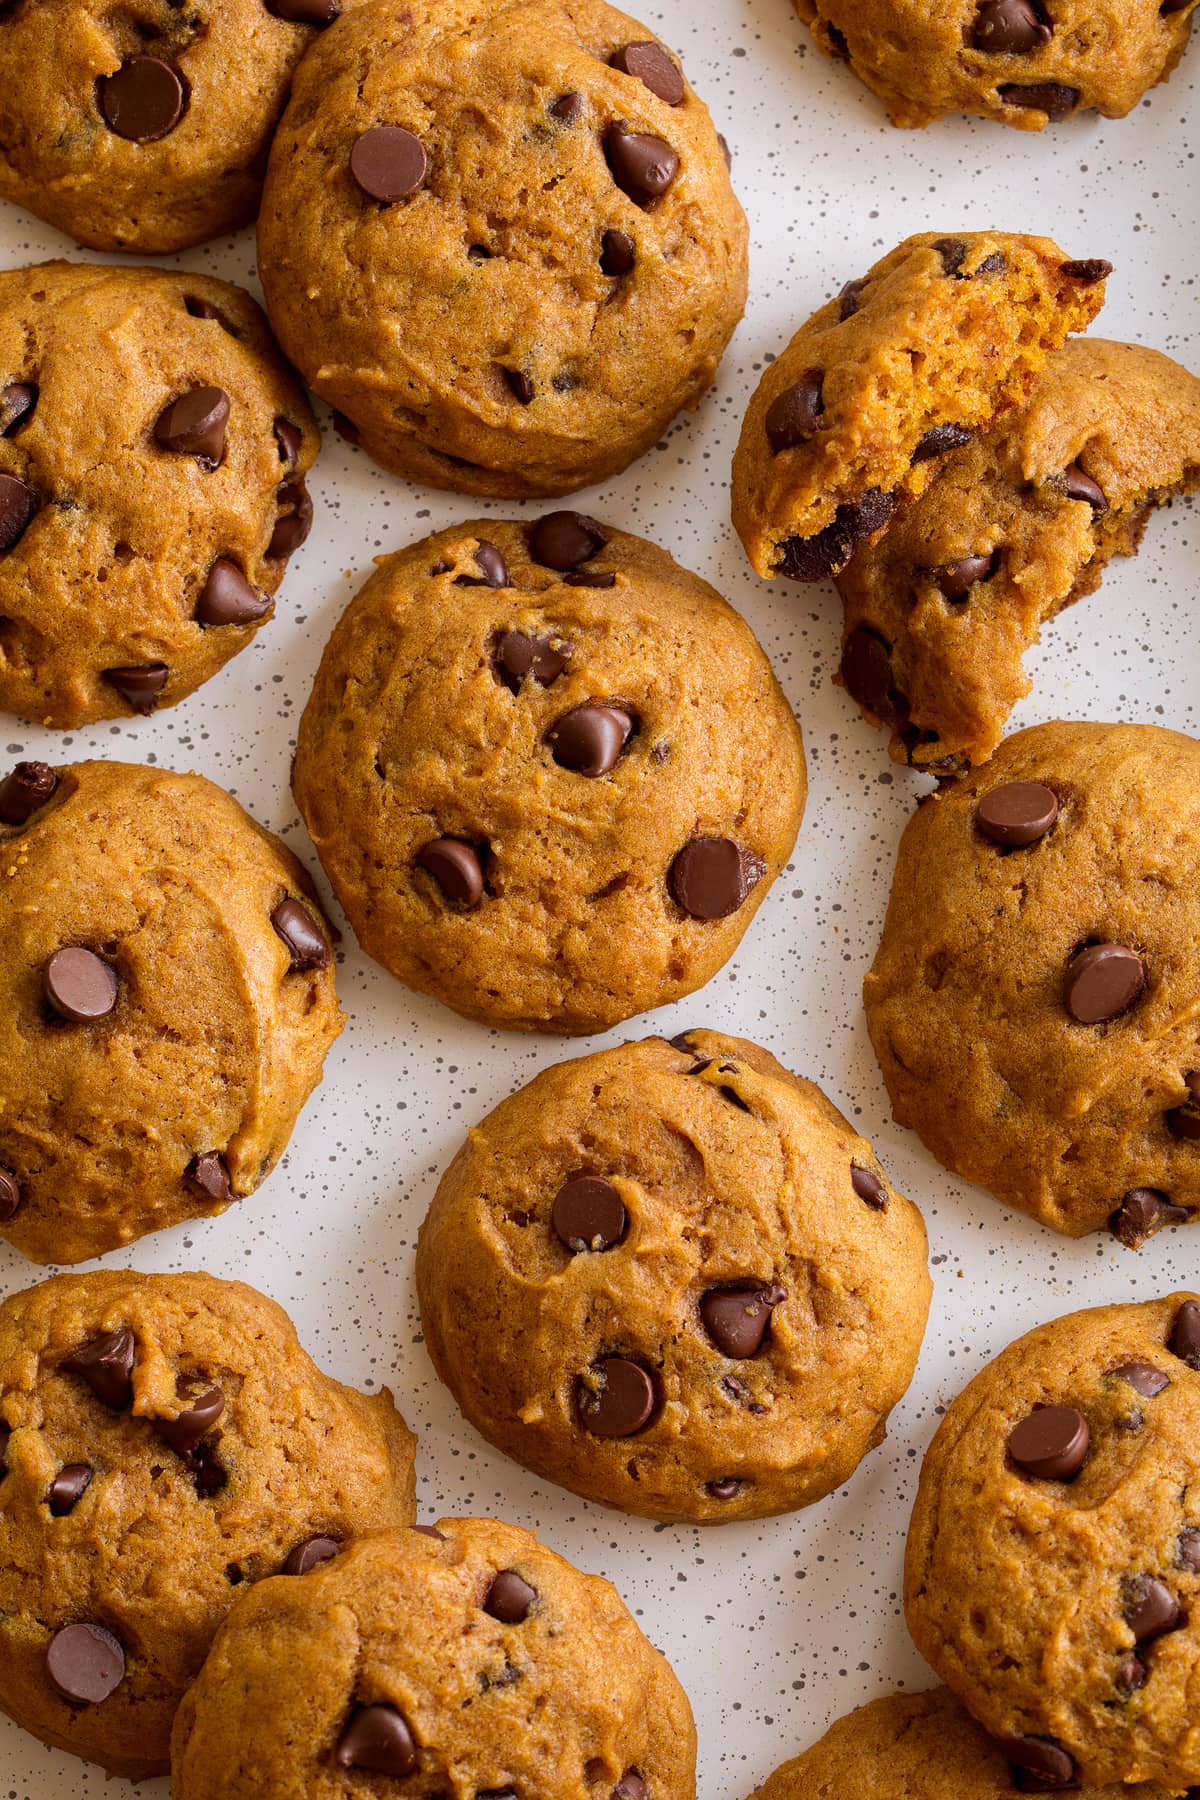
pixel 1028 63
pixel 499 237
pixel 1032 999
pixel 919 1746
pixel 166 1001
pixel 1015 526
pixel 153 448
pixel 467 1660
pixel 164 1442
pixel 700 1296
pixel 146 126
pixel 903 366
pixel 549 772
pixel 1052 1576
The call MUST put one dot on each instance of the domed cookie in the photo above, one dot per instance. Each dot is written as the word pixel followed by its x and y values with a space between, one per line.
pixel 164 1443
pixel 153 448
pixel 499 237
pixel 1031 1000
pixel 921 1746
pixel 1014 526
pixel 549 772
pixel 887 378
pixel 146 127
pixel 166 1002
pixel 703 1297
pixel 1027 63
pixel 1052 1575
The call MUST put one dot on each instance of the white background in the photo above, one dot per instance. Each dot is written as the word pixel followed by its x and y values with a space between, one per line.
pixel 776 1628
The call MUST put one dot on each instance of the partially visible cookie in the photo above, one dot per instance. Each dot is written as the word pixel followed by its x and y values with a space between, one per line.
pixel 499 237
pixel 700 1296
pixel 1052 1576
pixel 145 127
pixel 465 1661
pixel 1015 525
pixel 549 772
pixel 164 1443
pixel 1033 999
pixel 1028 63
pixel 153 448
pixel 166 1001
pixel 902 367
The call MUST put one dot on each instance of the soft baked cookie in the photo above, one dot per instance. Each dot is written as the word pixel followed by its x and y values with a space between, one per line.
pixel 467 1661
pixel 1028 63
pixel 919 1746
pixel 701 1298
pixel 499 237
pixel 145 125
pixel 549 772
pixel 153 448
pixel 166 1001
pixel 1052 1575
pixel 1015 525
pixel 887 378
pixel 1031 1002
pixel 164 1441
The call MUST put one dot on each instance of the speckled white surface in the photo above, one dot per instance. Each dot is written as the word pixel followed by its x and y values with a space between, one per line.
pixel 777 1628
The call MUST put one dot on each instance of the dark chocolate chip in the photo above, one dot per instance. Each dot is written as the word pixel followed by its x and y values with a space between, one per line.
pixel 520 386
pixel 726 1487
pixel 642 166
pixel 850 299
pixel 995 264
pixel 517 655
pixel 456 867
pixel 869 513
pixel 290 439
pixel 10 1195
pixel 738 1319
pixel 618 1401
pixel 955 580
pixel 564 540
pixel 712 877
pixel 208 1477
pixel 588 1213
pixel 940 439
pixel 617 253
pixel 79 985
pixel 389 163
pixel 25 790
pixel 1132 1673
pixel 794 415
pixel 1187 1549
pixel 294 522
pixel 590 738
pixel 953 252
pixel 144 100
pixel 183 1433
pixel 1009 28
pixel 509 1598
pixel 377 1738
pixel 1043 1760
pixel 1143 1377
pixel 1051 1442
pixel 1050 97
pixel 68 1488
pixel 1080 486
pixel 867 1185
pixel 1103 982
pixel 1091 269
pixel 1142 1212
pixel 1184 1121
pixel 194 424
pixel 18 402
pixel 209 1173
pixel 591 578
pixel 85 1663
pixel 1149 1608
pixel 310 1555
pixel 106 1364
pixel 1017 813
pixel 567 108
pixel 227 598
pixel 867 671
pixel 651 65
pixel 493 570
pixel 302 935
pixel 1184 1341
pixel 305 12
pixel 18 503
pixel 139 684
pixel 813 558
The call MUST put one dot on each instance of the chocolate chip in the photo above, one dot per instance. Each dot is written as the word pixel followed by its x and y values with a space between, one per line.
pixel 1051 1442
pixel 456 867
pixel 1150 1609
pixel 812 559
pixel 618 1401
pixel 85 1663
pixel 564 540
pixel 726 1487
pixel 955 580
pixel 995 264
pixel 590 738
pixel 516 655
pixel 10 1195
pixel 1187 1549
pixel 1080 486
pixel 227 598
pixel 303 937
pixel 377 1738
pixel 567 108
pixel 509 1598
pixel 1092 268
pixel 712 877
pixel 79 985
pixel 106 1364
pixel 794 415
pixel 290 439
pixel 850 299
pixel 1017 813
pixel 1043 1760
pixel 1143 1377
pixel 953 252
pixel 294 522
pixel 940 439
pixel 1184 1341
pixel 305 12
pixel 493 570
pixel 1142 1212
pixel 1050 97
pixel 310 1555
pixel 867 1185
pixel 867 671
pixel 617 253
pixel 68 1488
pixel 591 578
pixel 17 404
pixel 1009 28
pixel 869 513
pixel 210 1174
pixel 651 65
pixel 519 384
pixel 144 100
pixel 208 1477
pixel 737 1319
pixel 1183 1121
pixel 184 1432
pixel 25 790
pixel 18 503
pixel 1103 982
pixel 588 1213
pixel 139 684
pixel 641 165
pixel 1132 1673
pixel 388 163
pixel 194 424
pixel 204 309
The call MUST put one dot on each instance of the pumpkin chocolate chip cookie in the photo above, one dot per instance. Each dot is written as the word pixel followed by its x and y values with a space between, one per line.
pixel 711 1297
pixel 1052 1576
pixel 499 237
pixel 153 448
pixel 164 1443
pixel 549 772
pixel 901 368
pixel 1016 525
pixel 166 1001
pixel 1032 1002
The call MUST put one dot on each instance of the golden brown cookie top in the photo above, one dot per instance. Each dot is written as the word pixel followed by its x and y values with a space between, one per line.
pixel 1053 1569
pixel 164 1442
pixel 466 1661
pixel 531 748
pixel 703 1297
